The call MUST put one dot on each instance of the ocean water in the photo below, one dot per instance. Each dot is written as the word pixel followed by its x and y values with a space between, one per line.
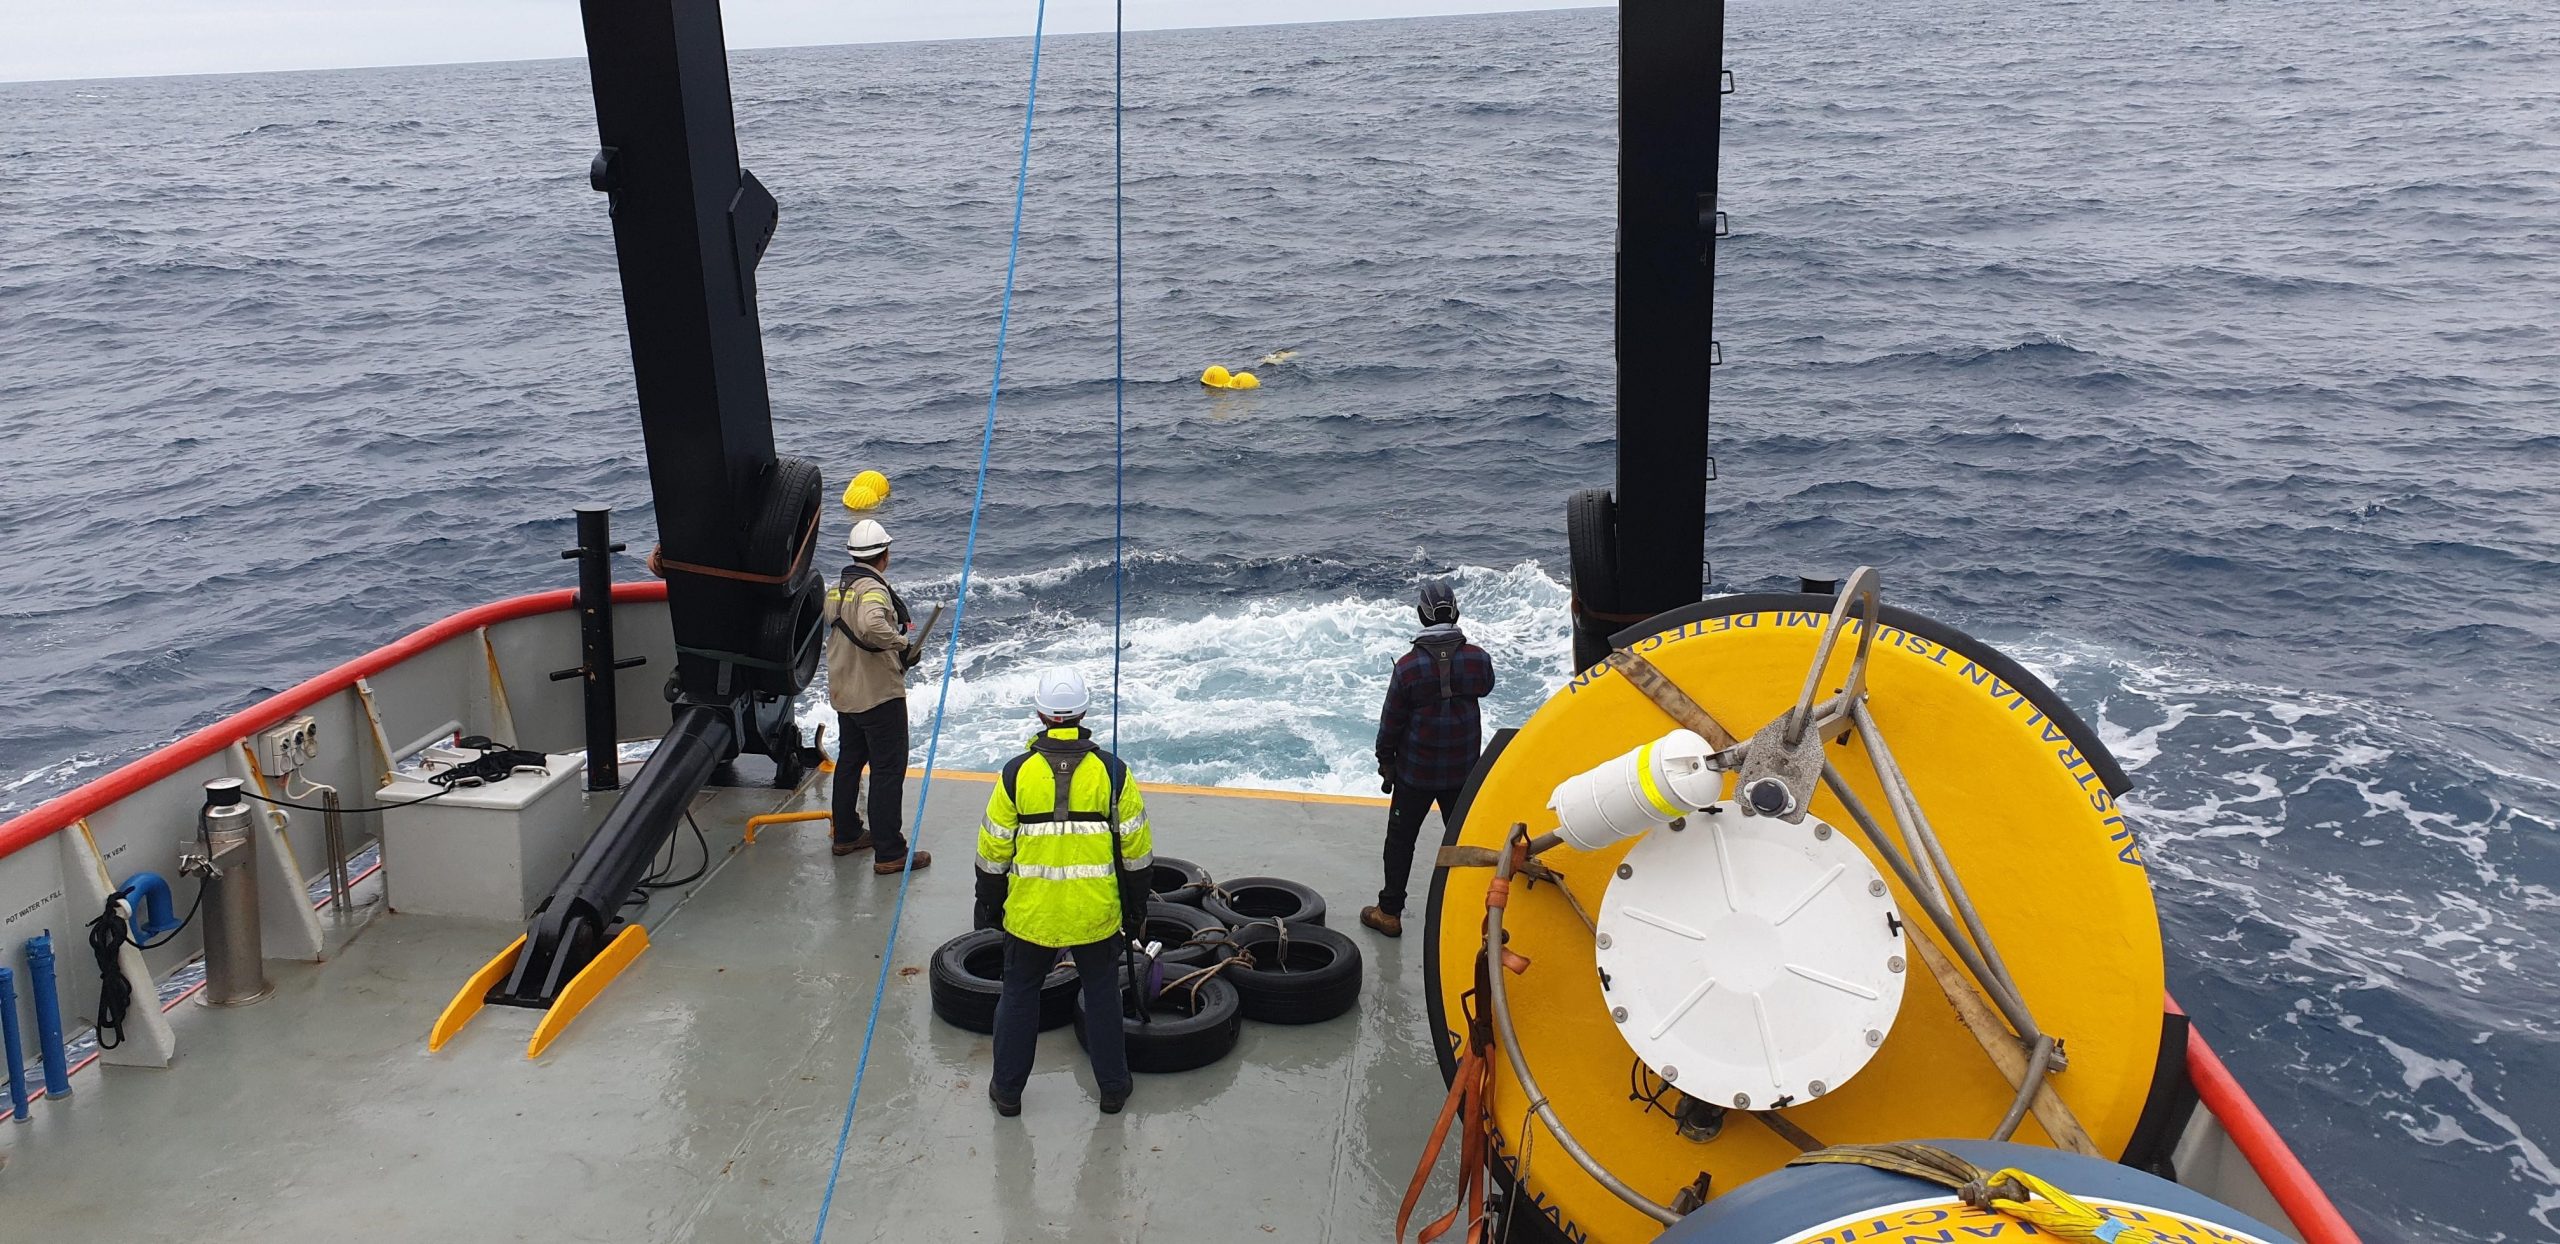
pixel 2201 354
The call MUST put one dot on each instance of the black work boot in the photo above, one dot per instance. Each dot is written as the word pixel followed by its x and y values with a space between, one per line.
pixel 1007 1104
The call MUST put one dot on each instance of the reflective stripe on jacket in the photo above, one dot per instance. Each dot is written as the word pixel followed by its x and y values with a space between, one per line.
pixel 1063 891
pixel 864 604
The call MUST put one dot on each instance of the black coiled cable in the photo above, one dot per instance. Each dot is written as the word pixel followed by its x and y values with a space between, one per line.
pixel 108 935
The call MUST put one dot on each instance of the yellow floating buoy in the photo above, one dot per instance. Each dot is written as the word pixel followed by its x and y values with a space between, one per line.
pixel 868 489
pixel 1219 378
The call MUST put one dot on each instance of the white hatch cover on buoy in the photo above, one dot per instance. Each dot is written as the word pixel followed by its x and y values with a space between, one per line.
pixel 1749 962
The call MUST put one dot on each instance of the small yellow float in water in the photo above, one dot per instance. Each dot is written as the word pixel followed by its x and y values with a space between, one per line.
pixel 1218 378
pixel 867 491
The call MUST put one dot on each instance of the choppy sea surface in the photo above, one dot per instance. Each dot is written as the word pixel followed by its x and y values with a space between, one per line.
pixel 2202 355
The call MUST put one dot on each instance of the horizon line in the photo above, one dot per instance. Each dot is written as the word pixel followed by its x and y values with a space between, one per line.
pixel 1513 7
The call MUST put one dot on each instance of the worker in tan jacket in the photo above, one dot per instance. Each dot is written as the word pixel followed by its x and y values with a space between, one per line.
pixel 870 648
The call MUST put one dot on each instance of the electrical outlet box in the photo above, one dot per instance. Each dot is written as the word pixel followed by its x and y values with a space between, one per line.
pixel 285 748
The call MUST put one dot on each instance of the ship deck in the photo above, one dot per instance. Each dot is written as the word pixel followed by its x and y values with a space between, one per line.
pixel 700 1097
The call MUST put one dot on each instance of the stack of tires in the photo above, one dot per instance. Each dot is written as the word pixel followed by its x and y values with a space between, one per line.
pixel 1255 948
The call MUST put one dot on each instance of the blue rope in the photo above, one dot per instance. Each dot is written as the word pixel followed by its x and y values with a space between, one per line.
pixel 1119 381
pixel 951 645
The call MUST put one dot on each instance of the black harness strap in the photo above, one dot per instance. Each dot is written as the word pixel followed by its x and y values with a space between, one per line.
pixel 1064 757
pixel 844 592
pixel 1444 662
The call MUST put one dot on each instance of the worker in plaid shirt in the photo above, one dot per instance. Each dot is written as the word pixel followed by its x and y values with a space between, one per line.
pixel 1429 735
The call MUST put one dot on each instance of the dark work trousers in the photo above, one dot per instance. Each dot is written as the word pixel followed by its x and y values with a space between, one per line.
pixel 1026 964
pixel 1405 810
pixel 876 737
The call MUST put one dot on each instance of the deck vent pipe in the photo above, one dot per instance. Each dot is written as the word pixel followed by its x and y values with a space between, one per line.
pixel 13 1045
pixel 42 988
pixel 225 855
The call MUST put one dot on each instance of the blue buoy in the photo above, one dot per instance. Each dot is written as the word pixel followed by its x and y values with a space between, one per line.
pixel 40 983
pixel 13 1044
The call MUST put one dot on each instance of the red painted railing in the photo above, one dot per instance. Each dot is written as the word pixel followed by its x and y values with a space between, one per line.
pixel 2295 1191
pixel 53 815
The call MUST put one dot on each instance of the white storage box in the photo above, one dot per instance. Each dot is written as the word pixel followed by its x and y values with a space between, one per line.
pixel 488 852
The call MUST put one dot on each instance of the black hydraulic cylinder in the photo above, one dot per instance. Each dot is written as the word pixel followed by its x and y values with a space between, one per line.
pixel 580 916
pixel 1670 103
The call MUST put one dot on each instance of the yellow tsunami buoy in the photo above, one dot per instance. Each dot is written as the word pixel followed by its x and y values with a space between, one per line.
pixel 874 481
pixel 860 496
pixel 1218 378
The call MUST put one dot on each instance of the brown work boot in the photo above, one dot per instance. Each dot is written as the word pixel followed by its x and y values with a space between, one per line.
pixel 1390 924
pixel 861 841
pixel 912 861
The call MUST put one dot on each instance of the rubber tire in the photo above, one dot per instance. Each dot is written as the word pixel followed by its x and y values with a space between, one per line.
pixel 1174 925
pixel 1178 881
pixel 793 490
pixel 1238 908
pixel 1590 532
pixel 1173 1041
pixel 1322 980
pixel 790 628
pixel 964 992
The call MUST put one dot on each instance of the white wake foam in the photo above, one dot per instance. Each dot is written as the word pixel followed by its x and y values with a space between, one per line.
pixel 1281 693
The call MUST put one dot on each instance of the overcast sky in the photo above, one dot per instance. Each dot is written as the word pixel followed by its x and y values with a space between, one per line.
pixel 124 38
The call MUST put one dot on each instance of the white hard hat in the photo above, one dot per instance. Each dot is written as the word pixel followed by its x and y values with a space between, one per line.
pixel 867 539
pixel 1061 693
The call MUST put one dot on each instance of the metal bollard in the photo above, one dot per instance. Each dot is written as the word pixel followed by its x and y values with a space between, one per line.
pixel 225 856
pixel 41 986
pixel 13 1045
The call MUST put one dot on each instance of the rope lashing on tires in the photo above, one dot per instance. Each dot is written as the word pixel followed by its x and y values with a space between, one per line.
pixel 660 564
pixel 1199 977
pixel 2010 1191
pixel 1279 927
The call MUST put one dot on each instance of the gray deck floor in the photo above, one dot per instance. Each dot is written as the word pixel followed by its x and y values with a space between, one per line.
pixel 700 1097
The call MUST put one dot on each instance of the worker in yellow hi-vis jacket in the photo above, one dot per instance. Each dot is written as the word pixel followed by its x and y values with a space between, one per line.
pixel 1063 858
pixel 870 648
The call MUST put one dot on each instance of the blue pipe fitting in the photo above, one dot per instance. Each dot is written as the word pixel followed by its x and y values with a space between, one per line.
pixel 40 983
pixel 154 912
pixel 13 1044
